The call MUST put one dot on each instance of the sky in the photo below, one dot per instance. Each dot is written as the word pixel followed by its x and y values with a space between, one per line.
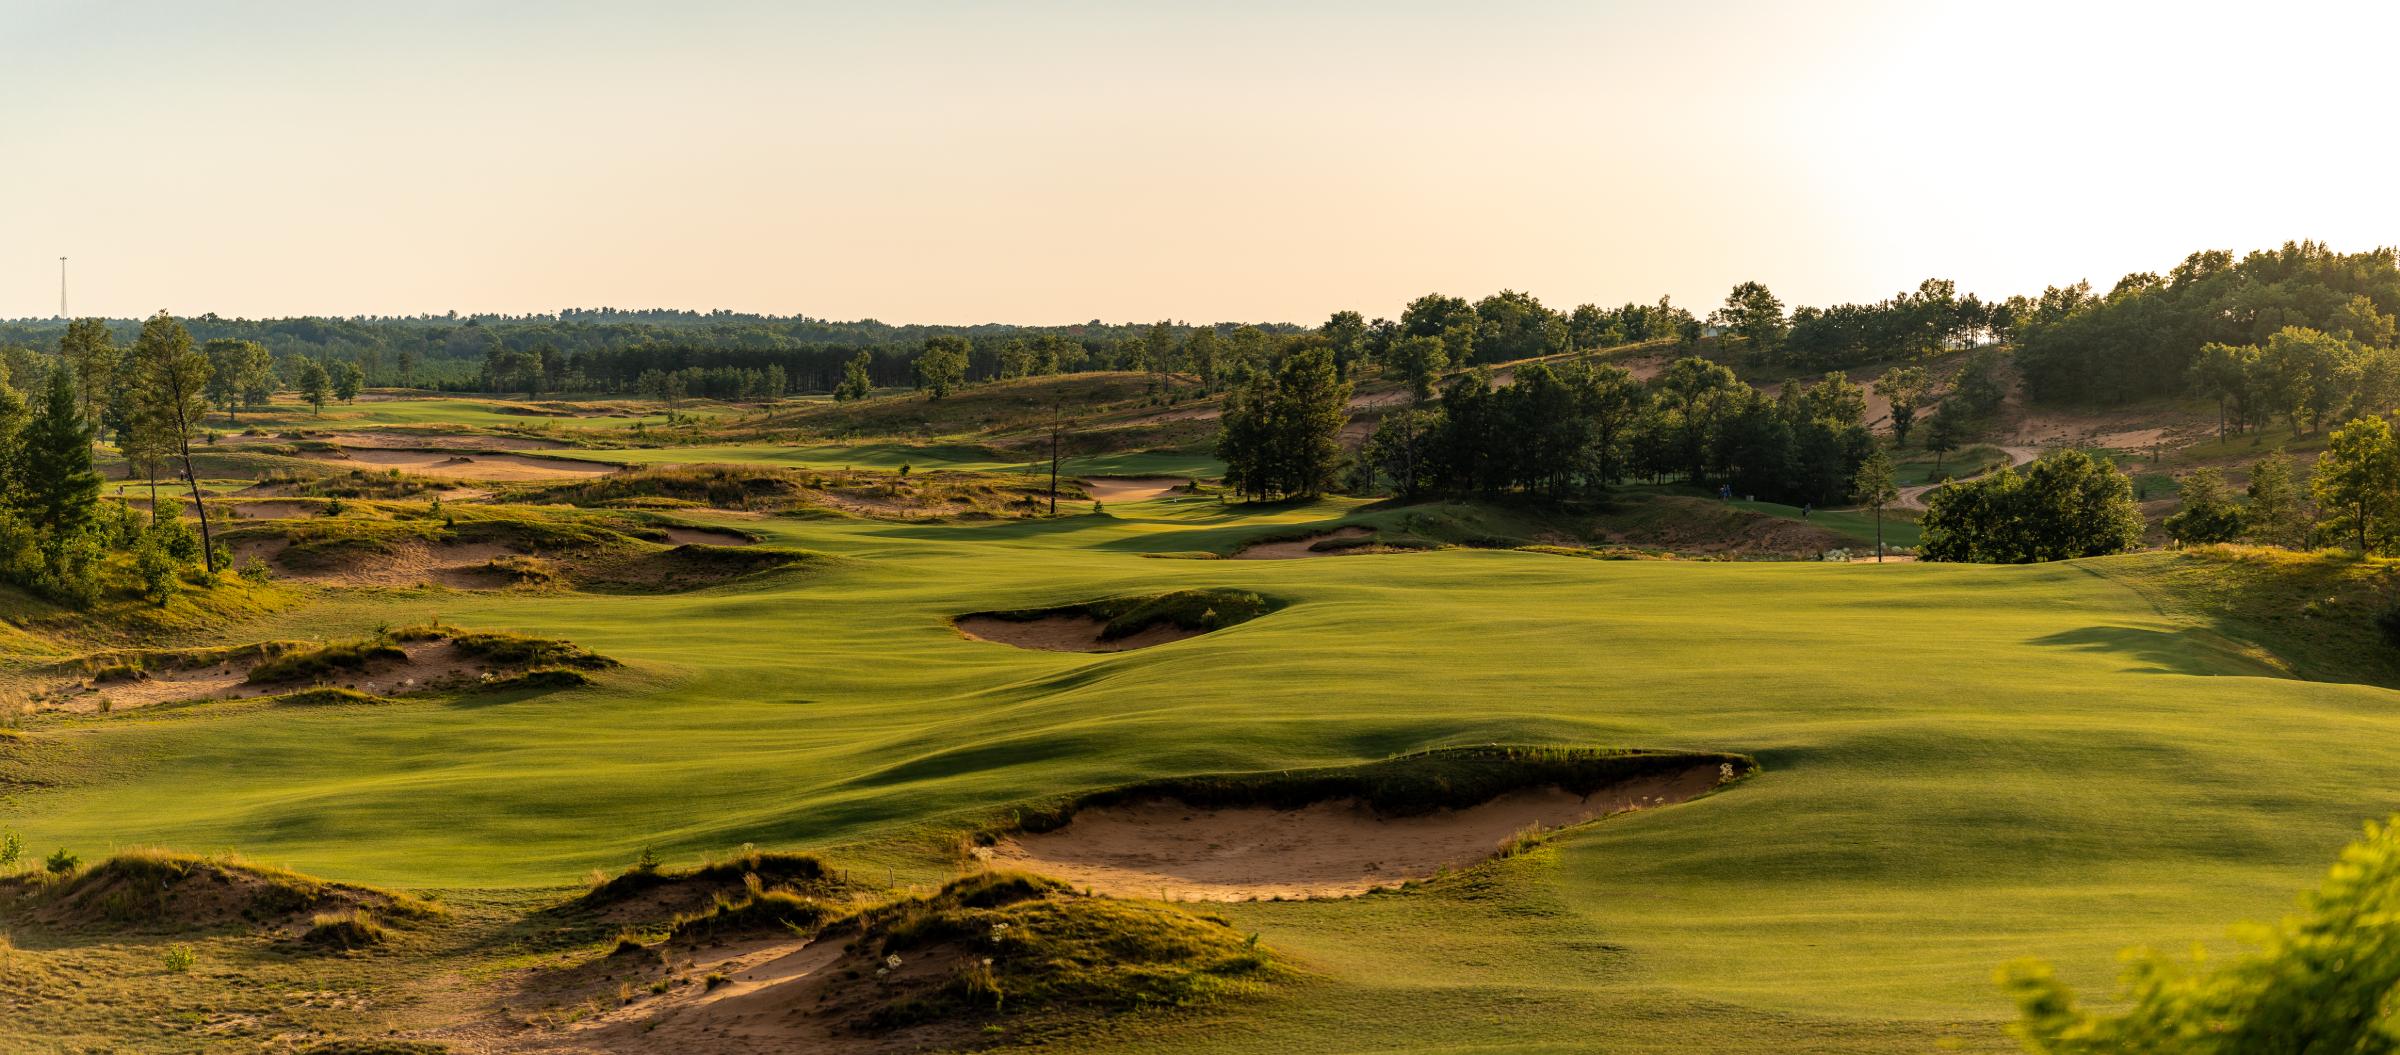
pixel 1228 161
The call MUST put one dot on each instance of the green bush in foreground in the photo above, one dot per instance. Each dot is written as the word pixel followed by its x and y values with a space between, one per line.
pixel 2322 981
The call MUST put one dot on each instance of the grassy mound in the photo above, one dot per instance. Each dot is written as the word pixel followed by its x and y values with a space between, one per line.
pixel 132 664
pixel 647 891
pixel 326 661
pixel 2314 614
pixel 159 890
pixel 717 486
pixel 1002 942
pixel 1197 611
pixel 345 930
pixel 1409 785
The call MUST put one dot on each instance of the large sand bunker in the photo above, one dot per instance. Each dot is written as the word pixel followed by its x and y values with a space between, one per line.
pixel 1163 848
pixel 1311 546
pixel 1106 489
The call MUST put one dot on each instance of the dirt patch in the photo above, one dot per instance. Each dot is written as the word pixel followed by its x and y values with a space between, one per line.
pixel 1065 633
pixel 1168 850
pixel 1130 488
pixel 1293 549
pixel 448 464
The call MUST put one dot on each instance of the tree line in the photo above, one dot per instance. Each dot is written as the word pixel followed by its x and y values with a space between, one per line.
pixel 57 538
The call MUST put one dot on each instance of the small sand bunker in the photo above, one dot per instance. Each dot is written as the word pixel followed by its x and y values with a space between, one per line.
pixel 1166 849
pixel 1118 624
pixel 1066 633
pixel 1294 549
pixel 1110 489
pixel 700 536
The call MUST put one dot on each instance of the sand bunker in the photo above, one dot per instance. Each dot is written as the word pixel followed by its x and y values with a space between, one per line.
pixel 452 465
pixel 1302 547
pixel 700 536
pixel 463 566
pixel 1111 489
pixel 1066 633
pixel 1165 849
pixel 429 664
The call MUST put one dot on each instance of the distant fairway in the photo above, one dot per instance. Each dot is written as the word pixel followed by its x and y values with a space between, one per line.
pixel 1962 765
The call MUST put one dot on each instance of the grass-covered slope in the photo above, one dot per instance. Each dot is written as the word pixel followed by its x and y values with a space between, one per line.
pixel 1959 765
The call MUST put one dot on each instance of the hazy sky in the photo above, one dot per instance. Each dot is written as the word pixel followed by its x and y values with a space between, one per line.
pixel 1054 162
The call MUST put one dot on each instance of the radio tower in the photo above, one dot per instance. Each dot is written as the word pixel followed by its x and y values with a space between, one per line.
pixel 62 287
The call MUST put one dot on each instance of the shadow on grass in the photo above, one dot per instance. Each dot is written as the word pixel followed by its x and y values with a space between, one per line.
pixel 2188 651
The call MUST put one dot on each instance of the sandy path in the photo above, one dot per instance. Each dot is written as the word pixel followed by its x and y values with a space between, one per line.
pixel 1914 497
pixel 1295 549
pixel 1165 849
pixel 1109 489
pixel 1065 633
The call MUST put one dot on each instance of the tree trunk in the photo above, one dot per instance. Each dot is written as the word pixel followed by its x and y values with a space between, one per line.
pixel 1878 534
pixel 208 549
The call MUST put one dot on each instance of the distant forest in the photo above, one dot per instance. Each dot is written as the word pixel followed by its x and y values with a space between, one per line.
pixel 2300 329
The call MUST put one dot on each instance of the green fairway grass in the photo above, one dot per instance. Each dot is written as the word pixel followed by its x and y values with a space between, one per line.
pixel 891 456
pixel 1961 764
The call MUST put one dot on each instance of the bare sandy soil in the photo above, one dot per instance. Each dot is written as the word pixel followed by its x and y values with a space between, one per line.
pixel 1130 488
pixel 447 465
pixel 1298 548
pixel 1065 633
pixel 429 663
pixel 1167 850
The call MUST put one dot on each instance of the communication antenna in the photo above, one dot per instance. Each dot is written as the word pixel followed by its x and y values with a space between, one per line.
pixel 62 287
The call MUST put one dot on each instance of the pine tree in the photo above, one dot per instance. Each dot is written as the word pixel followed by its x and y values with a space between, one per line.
pixel 171 379
pixel 60 489
pixel 2275 515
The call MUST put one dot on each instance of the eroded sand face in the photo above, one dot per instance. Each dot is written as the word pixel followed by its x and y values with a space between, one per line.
pixel 1166 849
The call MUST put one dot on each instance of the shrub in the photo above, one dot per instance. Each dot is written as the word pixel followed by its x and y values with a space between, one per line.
pixel 2320 981
pixel 179 958
pixel 11 848
pixel 350 929
pixel 62 862
pixel 760 909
